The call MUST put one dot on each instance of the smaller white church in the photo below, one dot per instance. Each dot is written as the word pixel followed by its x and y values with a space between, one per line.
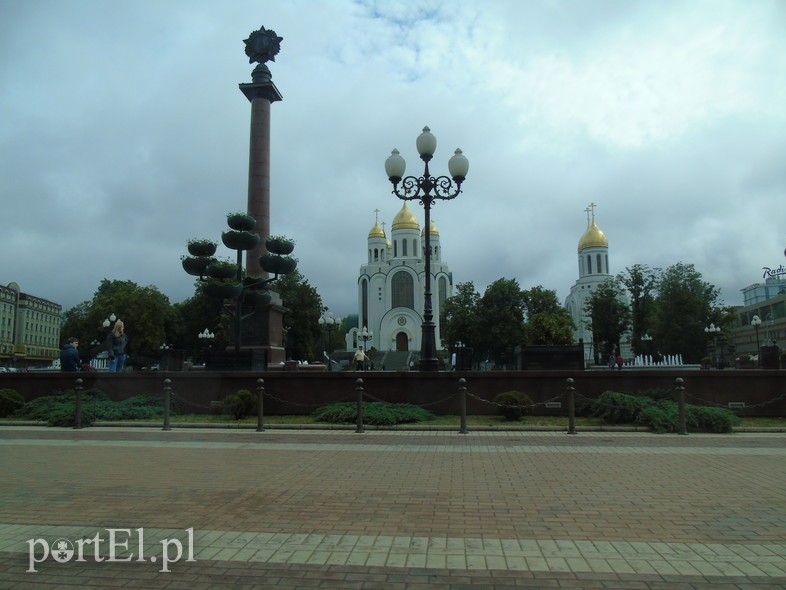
pixel 593 253
pixel 391 285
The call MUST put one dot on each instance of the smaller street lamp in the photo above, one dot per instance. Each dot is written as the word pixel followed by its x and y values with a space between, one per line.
pixel 328 323
pixel 110 320
pixel 714 330
pixel 756 322
pixel 206 336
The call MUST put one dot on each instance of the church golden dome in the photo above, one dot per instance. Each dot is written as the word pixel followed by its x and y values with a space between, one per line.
pixel 376 231
pixel 405 219
pixel 593 237
pixel 434 230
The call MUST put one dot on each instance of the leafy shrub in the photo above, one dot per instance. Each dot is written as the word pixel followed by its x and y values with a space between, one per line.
pixel 583 406
pixel 620 408
pixel 662 416
pixel 374 413
pixel 241 404
pixel 711 419
pixel 513 404
pixel 59 409
pixel 10 401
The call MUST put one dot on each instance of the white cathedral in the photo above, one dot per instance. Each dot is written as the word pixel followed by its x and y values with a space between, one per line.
pixel 391 285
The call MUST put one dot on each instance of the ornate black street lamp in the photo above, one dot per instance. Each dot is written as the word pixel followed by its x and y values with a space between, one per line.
pixel 426 189
pixel 328 323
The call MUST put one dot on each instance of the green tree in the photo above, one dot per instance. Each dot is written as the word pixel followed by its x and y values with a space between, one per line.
pixel 641 283
pixel 197 313
pixel 500 319
pixel 458 318
pixel 149 317
pixel 301 320
pixel 684 306
pixel 548 322
pixel 609 316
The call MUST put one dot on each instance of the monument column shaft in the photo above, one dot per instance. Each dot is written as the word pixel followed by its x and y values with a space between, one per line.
pixel 259 181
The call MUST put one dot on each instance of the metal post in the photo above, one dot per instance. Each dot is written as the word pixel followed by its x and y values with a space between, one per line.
pixel 260 406
pixel 167 403
pixel 359 389
pixel 682 429
pixel 78 409
pixel 571 407
pixel 463 404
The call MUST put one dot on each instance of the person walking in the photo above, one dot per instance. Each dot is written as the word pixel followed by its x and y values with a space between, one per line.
pixel 116 342
pixel 360 358
pixel 69 356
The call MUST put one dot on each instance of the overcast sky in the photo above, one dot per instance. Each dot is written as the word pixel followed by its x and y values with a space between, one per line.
pixel 123 134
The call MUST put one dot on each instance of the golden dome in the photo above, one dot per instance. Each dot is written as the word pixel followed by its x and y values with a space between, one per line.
pixel 593 237
pixel 434 231
pixel 405 219
pixel 376 231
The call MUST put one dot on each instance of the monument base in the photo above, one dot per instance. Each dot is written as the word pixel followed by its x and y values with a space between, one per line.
pixel 261 340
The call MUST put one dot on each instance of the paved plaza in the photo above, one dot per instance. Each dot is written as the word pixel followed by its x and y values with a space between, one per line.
pixel 398 510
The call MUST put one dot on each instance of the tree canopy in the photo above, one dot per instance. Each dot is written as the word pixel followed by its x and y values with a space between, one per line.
pixel 504 317
pixel 609 316
pixel 685 304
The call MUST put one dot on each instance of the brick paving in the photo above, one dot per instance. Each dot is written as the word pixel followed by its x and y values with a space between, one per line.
pixel 400 510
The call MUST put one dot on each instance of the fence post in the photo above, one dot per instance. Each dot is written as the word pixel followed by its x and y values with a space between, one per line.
pixel 260 406
pixel 359 389
pixel 463 405
pixel 681 405
pixel 167 403
pixel 571 407
pixel 78 408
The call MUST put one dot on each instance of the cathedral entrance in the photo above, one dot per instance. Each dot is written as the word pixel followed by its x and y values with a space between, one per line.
pixel 402 342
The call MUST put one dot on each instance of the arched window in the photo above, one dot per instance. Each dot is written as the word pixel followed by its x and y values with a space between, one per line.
pixel 442 291
pixel 607 263
pixel 376 254
pixel 395 248
pixel 403 247
pixel 414 247
pixel 364 302
pixel 597 259
pixel 589 264
pixel 442 294
pixel 403 290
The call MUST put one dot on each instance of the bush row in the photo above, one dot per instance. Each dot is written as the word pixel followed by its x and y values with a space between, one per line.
pixel 662 415
pixel 374 413
pixel 59 409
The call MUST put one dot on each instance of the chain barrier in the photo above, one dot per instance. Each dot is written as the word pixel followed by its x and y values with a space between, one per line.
pixel 444 399
pixel 747 406
pixel 190 403
pixel 521 406
pixel 668 394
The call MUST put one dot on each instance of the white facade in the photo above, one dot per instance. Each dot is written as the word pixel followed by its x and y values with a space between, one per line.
pixel 391 285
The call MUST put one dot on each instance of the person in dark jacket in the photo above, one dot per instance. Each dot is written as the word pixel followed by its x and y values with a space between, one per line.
pixel 69 356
